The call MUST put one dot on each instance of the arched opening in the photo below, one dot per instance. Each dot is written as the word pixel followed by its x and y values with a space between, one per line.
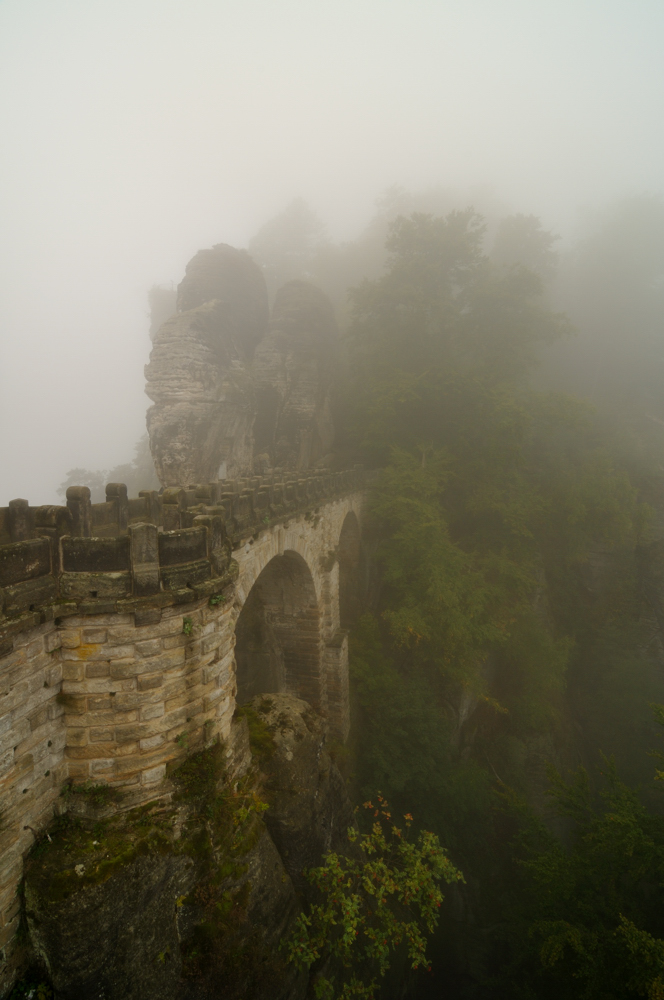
pixel 349 571
pixel 277 634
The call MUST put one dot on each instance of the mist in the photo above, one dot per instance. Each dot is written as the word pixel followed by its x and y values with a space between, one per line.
pixel 136 133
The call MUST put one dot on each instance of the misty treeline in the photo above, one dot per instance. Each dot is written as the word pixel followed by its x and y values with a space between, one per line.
pixel 507 391
pixel 507 664
pixel 136 475
pixel 516 633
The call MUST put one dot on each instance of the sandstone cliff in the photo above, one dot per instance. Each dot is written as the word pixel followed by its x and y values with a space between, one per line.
pixel 230 277
pixel 294 367
pixel 200 426
pixel 231 396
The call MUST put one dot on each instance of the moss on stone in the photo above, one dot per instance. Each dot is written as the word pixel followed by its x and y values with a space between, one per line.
pixel 224 913
pixel 98 796
pixel 78 853
pixel 214 822
pixel 261 739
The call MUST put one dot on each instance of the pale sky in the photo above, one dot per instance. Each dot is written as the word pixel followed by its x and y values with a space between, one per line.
pixel 134 132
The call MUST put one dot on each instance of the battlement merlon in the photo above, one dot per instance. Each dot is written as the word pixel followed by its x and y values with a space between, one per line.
pixel 166 548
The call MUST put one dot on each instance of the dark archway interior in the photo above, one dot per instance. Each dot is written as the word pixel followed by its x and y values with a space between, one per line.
pixel 349 573
pixel 277 635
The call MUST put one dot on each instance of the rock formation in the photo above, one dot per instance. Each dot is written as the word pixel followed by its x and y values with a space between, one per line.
pixel 293 370
pixel 200 426
pixel 230 396
pixel 310 811
pixel 232 278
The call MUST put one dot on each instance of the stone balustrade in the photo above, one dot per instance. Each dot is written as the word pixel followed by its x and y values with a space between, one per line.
pixel 178 542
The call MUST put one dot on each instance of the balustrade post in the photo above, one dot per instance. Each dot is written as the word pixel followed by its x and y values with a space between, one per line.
pixel 78 502
pixel 144 551
pixel 20 520
pixel 117 493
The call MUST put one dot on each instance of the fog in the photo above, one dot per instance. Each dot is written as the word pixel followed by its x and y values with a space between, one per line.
pixel 135 133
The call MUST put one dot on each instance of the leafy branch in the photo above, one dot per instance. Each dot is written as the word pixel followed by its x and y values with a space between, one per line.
pixel 387 893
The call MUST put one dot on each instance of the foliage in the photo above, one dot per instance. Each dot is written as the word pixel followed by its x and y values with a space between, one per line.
pixel 31 989
pixel 586 920
pixel 485 483
pixel 288 244
pixel 404 744
pixel 384 894
pixel 504 520
pixel 98 795
pixel 520 239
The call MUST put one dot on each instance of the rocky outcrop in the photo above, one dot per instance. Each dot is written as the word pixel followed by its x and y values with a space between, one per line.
pixel 310 812
pixel 189 896
pixel 200 426
pixel 231 278
pixel 294 370
pixel 230 400
pixel 204 403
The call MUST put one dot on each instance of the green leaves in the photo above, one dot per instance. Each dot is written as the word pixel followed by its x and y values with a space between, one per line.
pixel 485 485
pixel 384 894
pixel 591 919
pixel 500 518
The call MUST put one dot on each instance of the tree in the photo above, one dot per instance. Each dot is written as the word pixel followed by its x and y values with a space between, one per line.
pixel 586 919
pixel 94 480
pixel 483 481
pixel 520 239
pixel 287 245
pixel 385 894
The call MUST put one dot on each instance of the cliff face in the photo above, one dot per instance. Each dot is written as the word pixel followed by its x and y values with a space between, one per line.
pixel 188 897
pixel 294 369
pixel 201 424
pixel 230 277
pixel 232 397
pixel 203 396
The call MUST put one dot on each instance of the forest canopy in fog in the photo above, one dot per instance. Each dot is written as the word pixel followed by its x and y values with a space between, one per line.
pixel 356 692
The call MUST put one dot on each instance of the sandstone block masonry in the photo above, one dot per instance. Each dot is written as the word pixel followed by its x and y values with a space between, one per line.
pixel 117 636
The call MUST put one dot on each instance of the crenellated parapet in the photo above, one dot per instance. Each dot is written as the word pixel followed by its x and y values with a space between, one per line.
pixel 172 547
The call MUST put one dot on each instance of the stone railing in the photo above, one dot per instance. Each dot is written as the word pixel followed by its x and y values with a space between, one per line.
pixel 171 547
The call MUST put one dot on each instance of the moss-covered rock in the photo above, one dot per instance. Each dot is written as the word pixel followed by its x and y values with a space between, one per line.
pixel 189 897
pixel 309 810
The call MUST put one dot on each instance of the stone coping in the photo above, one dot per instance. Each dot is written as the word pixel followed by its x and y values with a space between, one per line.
pixel 179 550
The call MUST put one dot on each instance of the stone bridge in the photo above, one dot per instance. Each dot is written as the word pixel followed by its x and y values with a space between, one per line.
pixel 129 630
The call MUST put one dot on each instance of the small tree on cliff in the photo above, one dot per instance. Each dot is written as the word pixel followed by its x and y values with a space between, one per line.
pixel 385 895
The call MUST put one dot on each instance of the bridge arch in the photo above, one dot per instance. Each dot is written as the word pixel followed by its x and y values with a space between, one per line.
pixel 278 641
